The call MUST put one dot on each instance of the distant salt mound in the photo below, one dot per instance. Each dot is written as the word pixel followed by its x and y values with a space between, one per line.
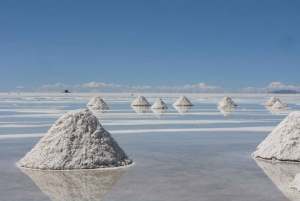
pixel 279 105
pixel 284 176
pixel 96 103
pixel 271 101
pixel 140 109
pixel 283 142
pixel 77 184
pixel 182 109
pixel 140 101
pixel 159 104
pixel 159 112
pixel 183 101
pixel 226 104
pixel 76 141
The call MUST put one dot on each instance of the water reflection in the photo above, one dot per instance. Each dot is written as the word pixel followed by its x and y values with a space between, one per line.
pixel 282 174
pixel 159 112
pixel 276 111
pixel 76 184
pixel 182 109
pixel 226 111
pixel 98 113
pixel 140 109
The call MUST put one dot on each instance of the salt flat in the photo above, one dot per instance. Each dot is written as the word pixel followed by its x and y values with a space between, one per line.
pixel 197 155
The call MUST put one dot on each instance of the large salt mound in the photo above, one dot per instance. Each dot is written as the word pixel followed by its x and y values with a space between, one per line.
pixel 283 142
pixel 77 184
pixel 282 174
pixel 226 104
pixel 140 101
pixel 183 101
pixel 96 103
pixel 159 104
pixel 271 101
pixel 76 141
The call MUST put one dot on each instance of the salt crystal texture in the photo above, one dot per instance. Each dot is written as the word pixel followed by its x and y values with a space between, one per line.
pixel 183 101
pixel 271 101
pixel 96 103
pixel 140 101
pixel 226 104
pixel 76 184
pixel 76 141
pixel 282 174
pixel 159 104
pixel 283 142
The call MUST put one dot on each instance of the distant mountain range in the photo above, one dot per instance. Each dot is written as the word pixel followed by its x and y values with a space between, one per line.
pixel 284 92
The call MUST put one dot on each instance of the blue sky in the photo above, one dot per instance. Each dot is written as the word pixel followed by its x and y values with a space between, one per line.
pixel 228 44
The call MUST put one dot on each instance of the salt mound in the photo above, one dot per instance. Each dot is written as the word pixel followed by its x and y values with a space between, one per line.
pixel 182 109
pixel 159 104
pixel 159 112
pixel 282 174
pixel 140 109
pixel 76 141
pixel 271 101
pixel 92 101
pixel 140 101
pixel 97 103
pixel 182 101
pixel 279 105
pixel 226 104
pixel 76 184
pixel 283 142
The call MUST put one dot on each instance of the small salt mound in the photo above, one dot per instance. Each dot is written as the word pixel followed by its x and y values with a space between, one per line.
pixel 226 103
pixel 96 103
pixel 271 101
pixel 183 101
pixel 182 109
pixel 76 141
pixel 283 142
pixel 159 104
pixel 92 101
pixel 279 105
pixel 76 184
pixel 159 112
pixel 140 109
pixel 140 101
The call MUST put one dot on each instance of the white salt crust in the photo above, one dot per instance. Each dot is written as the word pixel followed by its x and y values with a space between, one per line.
pixel 182 101
pixel 140 101
pixel 227 104
pixel 283 142
pixel 76 141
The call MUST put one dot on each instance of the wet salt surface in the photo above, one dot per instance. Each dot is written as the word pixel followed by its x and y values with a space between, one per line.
pixel 189 165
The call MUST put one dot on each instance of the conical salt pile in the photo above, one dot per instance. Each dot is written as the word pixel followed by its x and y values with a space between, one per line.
pixel 159 104
pixel 183 101
pixel 279 105
pixel 226 103
pixel 140 101
pixel 96 103
pixel 271 101
pixel 283 142
pixel 76 141
pixel 92 101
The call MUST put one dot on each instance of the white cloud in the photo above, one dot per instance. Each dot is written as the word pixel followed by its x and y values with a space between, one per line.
pixel 19 87
pixel 273 86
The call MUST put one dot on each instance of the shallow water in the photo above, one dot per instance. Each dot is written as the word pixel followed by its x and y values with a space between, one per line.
pixel 193 164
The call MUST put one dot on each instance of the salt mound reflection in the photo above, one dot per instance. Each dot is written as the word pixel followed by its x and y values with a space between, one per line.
pixel 76 185
pixel 140 109
pixel 182 109
pixel 159 112
pixel 226 111
pixel 276 111
pixel 282 174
